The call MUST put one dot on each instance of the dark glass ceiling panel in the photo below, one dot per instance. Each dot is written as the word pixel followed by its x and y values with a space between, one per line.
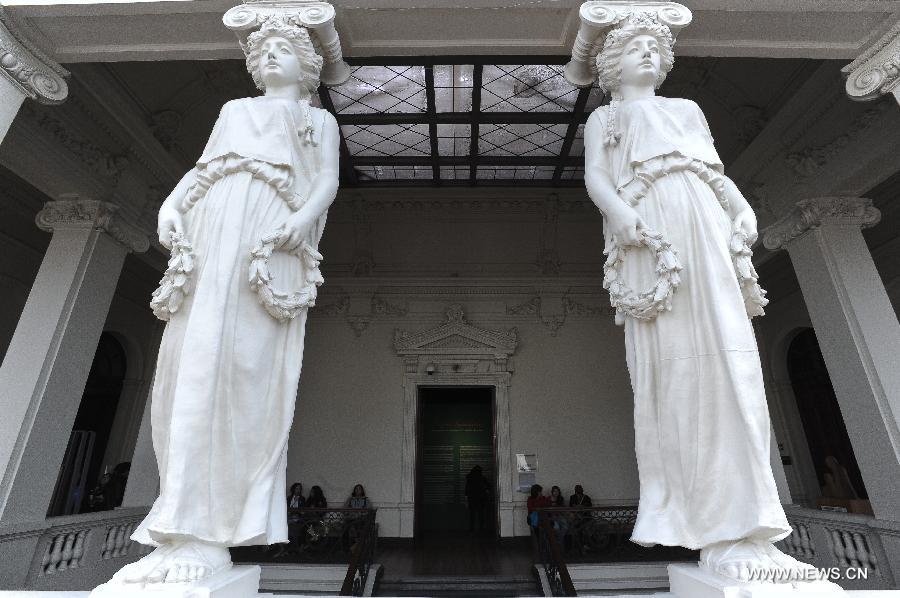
pixel 381 89
pixel 578 142
pixel 387 140
pixel 514 173
pixel 527 88
pixel 453 87
pixel 392 173
pixel 454 140
pixel 521 140
pixel 572 173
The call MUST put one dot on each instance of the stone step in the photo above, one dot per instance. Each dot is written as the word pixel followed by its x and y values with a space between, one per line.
pixel 468 586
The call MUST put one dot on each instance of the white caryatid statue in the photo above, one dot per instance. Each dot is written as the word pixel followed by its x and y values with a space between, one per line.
pixel 243 226
pixel 677 236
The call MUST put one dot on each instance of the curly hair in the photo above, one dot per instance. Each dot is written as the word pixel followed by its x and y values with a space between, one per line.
pixel 609 70
pixel 310 62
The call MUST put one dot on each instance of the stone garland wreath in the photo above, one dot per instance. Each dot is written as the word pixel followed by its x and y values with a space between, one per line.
pixel 648 304
pixel 283 306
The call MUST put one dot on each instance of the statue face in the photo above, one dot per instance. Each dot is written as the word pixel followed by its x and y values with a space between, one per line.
pixel 278 63
pixel 640 61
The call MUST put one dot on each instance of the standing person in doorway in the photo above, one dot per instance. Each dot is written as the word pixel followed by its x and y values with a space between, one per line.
pixel 478 492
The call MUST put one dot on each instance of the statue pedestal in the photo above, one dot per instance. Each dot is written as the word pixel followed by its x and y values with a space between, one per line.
pixel 691 581
pixel 236 582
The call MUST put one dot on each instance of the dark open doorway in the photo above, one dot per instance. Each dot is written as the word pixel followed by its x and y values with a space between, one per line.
pixel 820 412
pixel 455 433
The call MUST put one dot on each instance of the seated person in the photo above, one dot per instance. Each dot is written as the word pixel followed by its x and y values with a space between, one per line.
pixel 358 499
pixel 579 499
pixel 316 499
pixel 536 501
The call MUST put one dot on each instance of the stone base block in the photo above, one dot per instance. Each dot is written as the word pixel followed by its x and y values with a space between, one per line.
pixel 692 581
pixel 235 582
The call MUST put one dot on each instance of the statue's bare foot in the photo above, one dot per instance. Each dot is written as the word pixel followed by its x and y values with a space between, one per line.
pixel 741 560
pixel 138 571
pixel 190 562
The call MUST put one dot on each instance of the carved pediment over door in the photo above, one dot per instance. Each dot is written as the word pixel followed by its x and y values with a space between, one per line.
pixel 457 337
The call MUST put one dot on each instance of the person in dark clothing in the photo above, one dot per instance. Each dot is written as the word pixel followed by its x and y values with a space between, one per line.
pixel 316 499
pixel 478 492
pixel 580 499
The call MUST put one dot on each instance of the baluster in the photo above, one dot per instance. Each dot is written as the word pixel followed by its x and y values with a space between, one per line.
pixel 109 543
pixel 862 551
pixel 790 543
pixel 849 549
pixel 46 560
pixel 805 542
pixel 838 546
pixel 120 540
pixel 78 549
pixel 56 555
pixel 66 552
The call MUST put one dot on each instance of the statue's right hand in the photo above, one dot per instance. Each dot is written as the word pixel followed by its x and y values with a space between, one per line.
pixel 169 222
pixel 625 225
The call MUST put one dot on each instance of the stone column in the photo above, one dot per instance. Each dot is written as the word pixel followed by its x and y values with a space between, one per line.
pixel 46 367
pixel 857 330
pixel 876 72
pixel 25 72
pixel 143 479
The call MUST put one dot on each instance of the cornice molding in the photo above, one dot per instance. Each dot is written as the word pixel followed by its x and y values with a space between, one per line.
pixel 876 71
pixel 810 214
pixel 39 77
pixel 91 214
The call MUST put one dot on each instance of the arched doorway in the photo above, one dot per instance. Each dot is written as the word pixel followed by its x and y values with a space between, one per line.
pixel 82 465
pixel 820 413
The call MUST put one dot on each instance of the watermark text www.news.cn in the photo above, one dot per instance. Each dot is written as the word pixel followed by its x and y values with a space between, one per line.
pixel 777 574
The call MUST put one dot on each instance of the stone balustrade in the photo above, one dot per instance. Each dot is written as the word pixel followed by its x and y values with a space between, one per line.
pixel 850 546
pixel 75 552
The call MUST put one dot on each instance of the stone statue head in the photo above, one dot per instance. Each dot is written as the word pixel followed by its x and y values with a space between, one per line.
pixel 280 53
pixel 622 59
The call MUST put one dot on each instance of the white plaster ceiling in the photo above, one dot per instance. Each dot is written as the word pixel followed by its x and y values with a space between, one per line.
pixel 116 30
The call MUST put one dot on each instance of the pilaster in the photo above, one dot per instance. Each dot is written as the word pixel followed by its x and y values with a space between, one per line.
pixel 47 364
pixel 857 330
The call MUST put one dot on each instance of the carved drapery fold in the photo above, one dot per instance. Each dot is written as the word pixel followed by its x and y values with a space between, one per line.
pixel 876 71
pixel 315 15
pixel 39 77
pixel 599 16
pixel 809 214
pixel 91 213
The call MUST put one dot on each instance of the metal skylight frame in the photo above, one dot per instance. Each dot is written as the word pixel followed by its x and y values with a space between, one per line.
pixel 563 164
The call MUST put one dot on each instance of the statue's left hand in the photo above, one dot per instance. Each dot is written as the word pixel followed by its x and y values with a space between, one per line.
pixel 297 228
pixel 745 221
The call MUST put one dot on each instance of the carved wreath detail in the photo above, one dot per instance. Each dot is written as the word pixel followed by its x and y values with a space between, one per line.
pixel 742 259
pixel 648 304
pixel 175 283
pixel 280 305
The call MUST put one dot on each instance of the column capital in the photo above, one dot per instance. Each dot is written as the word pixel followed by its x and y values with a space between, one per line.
pixel 39 77
pixel 315 15
pixel 809 214
pixel 69 213
pixel 877 70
